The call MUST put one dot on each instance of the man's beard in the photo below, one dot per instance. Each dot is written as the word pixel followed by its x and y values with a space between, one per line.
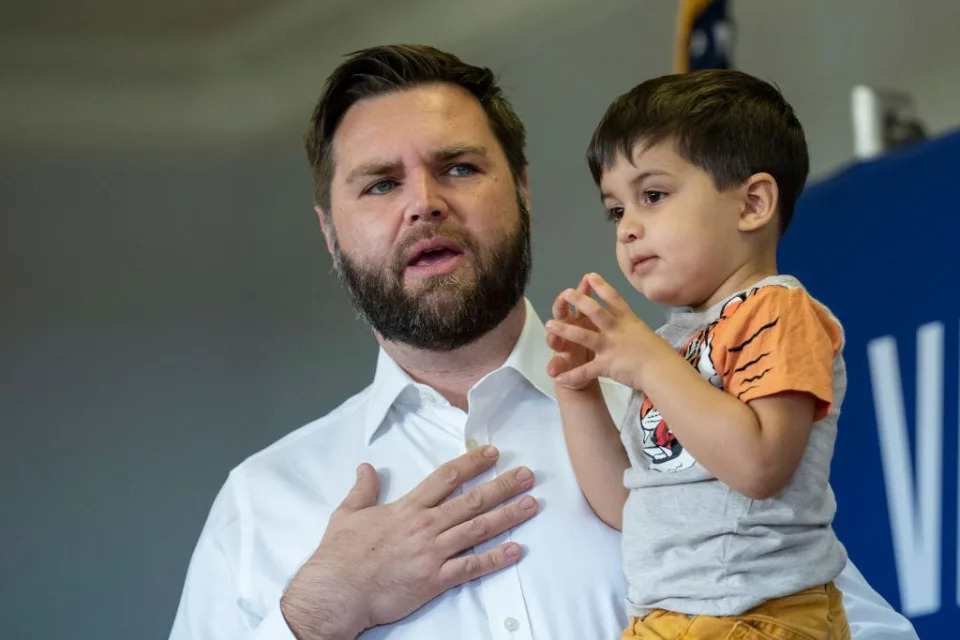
pixel 447 311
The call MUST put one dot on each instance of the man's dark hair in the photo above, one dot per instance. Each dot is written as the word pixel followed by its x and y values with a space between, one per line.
pixel 380 70
pixel 727 123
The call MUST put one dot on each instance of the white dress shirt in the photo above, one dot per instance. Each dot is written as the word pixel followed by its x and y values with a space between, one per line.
pixel 273 509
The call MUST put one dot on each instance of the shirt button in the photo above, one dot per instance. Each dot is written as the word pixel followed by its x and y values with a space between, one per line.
pixel 511 624
pixel 471 445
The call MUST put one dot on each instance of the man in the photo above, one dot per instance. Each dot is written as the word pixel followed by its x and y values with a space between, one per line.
pixel 422 196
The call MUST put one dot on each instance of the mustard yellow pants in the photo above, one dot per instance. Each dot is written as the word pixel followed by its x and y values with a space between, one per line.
pixel 813 614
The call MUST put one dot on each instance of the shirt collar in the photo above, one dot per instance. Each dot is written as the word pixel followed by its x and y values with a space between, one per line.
pixel 529 358
pixel 531 354
pixel 388 383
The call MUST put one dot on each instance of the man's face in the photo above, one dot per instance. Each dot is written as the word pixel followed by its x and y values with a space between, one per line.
pixel 429 233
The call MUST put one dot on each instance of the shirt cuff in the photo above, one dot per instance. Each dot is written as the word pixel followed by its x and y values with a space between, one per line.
pixel 273 627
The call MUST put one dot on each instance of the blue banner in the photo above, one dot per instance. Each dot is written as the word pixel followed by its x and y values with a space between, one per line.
pixel 878 244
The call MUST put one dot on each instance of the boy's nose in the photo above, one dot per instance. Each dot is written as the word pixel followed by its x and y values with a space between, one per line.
pixel 629 229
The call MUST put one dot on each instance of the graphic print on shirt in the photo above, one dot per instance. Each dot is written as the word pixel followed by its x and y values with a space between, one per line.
pixel 660 445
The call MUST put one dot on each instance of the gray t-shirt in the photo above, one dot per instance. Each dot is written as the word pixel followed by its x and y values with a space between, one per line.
pixel 691 543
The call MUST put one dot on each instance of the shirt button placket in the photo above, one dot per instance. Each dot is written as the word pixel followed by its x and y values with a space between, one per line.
pixel 502 592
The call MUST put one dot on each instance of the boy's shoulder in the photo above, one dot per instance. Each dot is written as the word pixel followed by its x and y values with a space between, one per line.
pixel 776 305
pixel 772 291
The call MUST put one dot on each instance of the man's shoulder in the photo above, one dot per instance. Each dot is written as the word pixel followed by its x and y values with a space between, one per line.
pixel 325 433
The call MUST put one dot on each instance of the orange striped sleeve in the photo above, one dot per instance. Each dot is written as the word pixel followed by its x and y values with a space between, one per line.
pixel 778 340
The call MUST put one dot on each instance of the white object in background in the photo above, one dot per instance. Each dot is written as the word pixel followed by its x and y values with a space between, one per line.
pixel 882 120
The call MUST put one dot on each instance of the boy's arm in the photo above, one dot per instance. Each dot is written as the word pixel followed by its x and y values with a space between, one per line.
pixel 753 448
pixel 593 441
pixel 595 450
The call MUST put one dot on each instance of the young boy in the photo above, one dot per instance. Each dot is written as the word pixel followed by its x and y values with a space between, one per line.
pixel 718 476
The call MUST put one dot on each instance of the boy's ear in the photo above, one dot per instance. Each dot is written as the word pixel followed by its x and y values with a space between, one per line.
pixel 761 197
pixel 326 224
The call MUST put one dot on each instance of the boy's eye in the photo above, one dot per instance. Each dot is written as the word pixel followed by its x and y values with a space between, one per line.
pixel 381 187
pixel 615 214
pixel 652 196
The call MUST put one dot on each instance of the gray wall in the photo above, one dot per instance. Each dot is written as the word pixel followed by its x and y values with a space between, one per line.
pixel 166 315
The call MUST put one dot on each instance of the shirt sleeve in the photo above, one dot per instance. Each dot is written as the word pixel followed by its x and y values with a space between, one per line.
pixel 210 606
pixel 778 340
pixel 869 615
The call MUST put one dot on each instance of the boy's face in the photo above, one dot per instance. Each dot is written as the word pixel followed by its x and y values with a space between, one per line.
pixel 678 241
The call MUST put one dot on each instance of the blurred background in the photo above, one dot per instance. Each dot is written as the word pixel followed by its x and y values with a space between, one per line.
pixel 168 302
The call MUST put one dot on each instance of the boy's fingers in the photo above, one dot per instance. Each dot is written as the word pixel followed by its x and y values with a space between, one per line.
pixel 575 334
pixel 555 367
pixel 607 293
pixel 561 308
pixel 584 286
pixel 581 376
pixel 555 342
pixel 589 307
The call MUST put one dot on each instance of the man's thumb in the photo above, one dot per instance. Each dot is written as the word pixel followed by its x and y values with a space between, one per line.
pixel 366 490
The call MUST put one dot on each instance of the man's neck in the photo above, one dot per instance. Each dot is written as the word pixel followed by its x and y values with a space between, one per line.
pixel 453 373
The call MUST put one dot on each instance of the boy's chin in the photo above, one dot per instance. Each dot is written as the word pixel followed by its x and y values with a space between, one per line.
pixel 660 295
pixel 655 290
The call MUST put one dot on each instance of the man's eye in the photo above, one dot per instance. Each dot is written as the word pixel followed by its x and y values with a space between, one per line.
pixel 615 214
pixel 461 170
pixel 652 196
pixel 381 187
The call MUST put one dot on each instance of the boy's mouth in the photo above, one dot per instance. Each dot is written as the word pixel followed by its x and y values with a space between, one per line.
pixel 643 264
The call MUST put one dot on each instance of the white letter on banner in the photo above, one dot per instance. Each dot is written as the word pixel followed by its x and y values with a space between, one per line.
pixel 916 532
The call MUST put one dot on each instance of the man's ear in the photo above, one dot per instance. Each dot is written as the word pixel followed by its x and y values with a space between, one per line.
pixel 761 197
pixel 525 193
pixel 326 224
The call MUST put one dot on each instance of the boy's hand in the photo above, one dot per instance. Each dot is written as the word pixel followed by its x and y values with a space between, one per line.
pixel 618 342
pixel 569 355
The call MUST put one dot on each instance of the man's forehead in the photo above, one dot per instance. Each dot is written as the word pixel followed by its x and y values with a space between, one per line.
pixel 428 119
pixel 419 108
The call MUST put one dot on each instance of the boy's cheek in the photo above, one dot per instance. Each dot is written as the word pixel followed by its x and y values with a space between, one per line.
pixel 623 262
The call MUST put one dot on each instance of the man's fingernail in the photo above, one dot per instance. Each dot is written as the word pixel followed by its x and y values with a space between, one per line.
pixel 360 471
pixel 512 551
pixel 523 475
pixel 490 452
pixel 527 503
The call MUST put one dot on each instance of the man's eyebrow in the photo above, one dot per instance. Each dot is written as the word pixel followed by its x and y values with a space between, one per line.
pixel 374 168
pixel 455 151
pixel 384 167
pixel 636 180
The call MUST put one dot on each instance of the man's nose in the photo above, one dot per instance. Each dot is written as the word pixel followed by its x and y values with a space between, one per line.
pixel 426 199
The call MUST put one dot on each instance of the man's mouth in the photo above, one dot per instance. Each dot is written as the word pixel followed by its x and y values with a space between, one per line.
pixel 434 256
